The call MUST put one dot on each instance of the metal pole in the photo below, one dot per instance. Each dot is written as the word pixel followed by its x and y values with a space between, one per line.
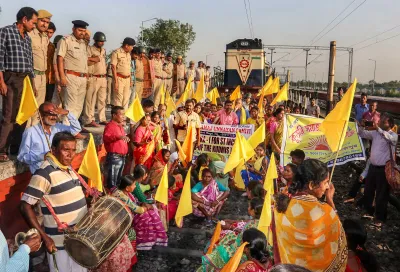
pixel 141 33
pixel 331 77
pixel 350 70
pixel 373 85
pixel 307 50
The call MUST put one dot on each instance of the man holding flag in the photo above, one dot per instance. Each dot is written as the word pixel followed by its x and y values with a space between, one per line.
pixel 16 62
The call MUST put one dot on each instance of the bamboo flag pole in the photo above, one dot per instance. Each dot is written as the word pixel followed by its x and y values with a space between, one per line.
pixel 45 135
pixel 337 152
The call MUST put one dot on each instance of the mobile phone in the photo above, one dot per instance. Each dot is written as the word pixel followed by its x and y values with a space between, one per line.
pixel 369 123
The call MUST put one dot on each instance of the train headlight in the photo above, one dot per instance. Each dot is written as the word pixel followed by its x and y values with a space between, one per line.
pixel 244 43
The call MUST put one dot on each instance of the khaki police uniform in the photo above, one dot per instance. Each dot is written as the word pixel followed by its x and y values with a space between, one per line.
pixel 75 57
pixel 168 69
pixel 180 78
pixel 198 73
pixel 97 86
pixel 158 80
pixel 139 77
pixel 122 63
pixel 109 85
pixel 40 43
pixel 190 74
pixel 57 95
pixel 207 77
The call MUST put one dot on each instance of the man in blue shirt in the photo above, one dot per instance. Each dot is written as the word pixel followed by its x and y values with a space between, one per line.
pixel 362 107
pixel 34 145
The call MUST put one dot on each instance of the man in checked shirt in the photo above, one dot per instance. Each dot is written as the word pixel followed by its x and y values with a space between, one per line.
pixel 16 62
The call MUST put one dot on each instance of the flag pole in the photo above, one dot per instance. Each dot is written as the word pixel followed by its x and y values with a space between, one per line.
pixel 337 152
pixel 45 135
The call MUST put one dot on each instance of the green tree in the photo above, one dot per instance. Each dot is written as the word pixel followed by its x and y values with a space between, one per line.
pixel 169 36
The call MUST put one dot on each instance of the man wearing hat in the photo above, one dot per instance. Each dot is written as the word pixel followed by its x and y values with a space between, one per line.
pixel 168 69
pixel 180 75
pixel 158 76
pixel 121 67
pixel 40 43
pixel 191 73
pixel 97 87
pixel 72 64
pixel 139 72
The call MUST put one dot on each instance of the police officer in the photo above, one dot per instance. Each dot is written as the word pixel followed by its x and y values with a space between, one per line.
pixel 139 73
pixel 191 73
pixel 121 68
pixel 57 95
pixel 109 85
pixel 158 76
pixel 168 69
pixel 207 77
pixel 72 63
pixel 180 73
pixel 97 88
pixel 40 43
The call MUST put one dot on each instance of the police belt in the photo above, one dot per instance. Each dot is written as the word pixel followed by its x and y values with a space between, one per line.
pixel 139 79
pixel 76 73
pixel 181 79
pixel 122 76
pixel 99 76
pixel 159 77
pixel 39 73
pixel 168 78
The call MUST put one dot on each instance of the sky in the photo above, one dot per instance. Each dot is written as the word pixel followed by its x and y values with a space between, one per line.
pixel 219 22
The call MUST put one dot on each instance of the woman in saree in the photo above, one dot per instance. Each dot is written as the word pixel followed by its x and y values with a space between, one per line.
pixel 257 170
pixel 208 196
pixel 144 142
pixel 164 123
pixel 276 130
pixel 287 176
pixel 160 161
pixel 257 252
pixel 149 230
pixel 231 238
pixel 309 232
pixel 158 130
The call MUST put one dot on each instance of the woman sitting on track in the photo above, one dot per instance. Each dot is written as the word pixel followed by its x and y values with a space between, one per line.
pixel 208 196
pixel 256 251
pixel 156 170
pixel 309 232
pixel 276 130
pixel 257 170
pixel 230 238
pixel 287 176
pixel 146 222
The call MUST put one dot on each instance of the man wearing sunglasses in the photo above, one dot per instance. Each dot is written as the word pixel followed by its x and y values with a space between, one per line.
pixel 34 145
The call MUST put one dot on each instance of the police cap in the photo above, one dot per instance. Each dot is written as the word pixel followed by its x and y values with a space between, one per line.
pixel 157 50
pixel 169 54
pixel 99 37
pixel 80 24
pixel 44 14
pixel 142 50
pixel 129 41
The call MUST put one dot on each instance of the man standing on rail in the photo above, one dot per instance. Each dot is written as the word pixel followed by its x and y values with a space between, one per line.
pixel 16 62
pixel 72 63
pixel 180 71
pixel 362 107
pixel 121 68
pixel 40 43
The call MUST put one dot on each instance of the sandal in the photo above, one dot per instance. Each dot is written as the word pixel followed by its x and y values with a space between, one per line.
pixel 350 200
pixel 367 216
pixel 376 226
pixel 4 158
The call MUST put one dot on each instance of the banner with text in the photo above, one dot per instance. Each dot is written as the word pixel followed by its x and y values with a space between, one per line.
pixel 217 140
pixel 302 132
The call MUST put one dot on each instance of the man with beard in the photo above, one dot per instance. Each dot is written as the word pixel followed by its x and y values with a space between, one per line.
pixel 180 74
pixel 34 145
pixel 187 118
pixel 227 116
pixel 97 88
pixel 40 43
pixel 72 63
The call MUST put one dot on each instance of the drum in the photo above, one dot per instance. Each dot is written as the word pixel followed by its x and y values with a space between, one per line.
pixel 99 232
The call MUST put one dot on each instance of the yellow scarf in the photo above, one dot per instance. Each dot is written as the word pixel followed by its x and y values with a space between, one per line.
pixel 258 163
pixel 55 161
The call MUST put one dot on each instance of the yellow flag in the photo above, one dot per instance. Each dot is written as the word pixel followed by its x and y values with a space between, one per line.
pixel 266 86
pixel 162 189
pixel 90 166
pixel 272 173
pixel 185 202
pixel 187 146
pixel 181 154
pixel 213 95
pixel 135 111
pixel 282 94
pixel 266 218
pixel 238 177
pixel 235 94
pixel 234 262
pixel 241 152
pixel 215 237
pixel 335 123
pixel 186 94
pixel 28 105
pixel 274 88
pixel 261 106
pixel 170 106
pixel 257 137
pixel 199 95
pixel 162 94
pixel 243 117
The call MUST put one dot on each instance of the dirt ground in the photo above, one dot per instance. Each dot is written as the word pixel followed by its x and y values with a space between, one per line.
pixel 384 244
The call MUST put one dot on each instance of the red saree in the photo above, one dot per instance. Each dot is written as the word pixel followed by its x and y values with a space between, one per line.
pixel 144 154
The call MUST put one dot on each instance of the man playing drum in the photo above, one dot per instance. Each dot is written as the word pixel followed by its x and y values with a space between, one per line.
pixel 56 183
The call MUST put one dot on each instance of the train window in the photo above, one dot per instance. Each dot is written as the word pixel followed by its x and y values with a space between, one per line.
pixel 244 43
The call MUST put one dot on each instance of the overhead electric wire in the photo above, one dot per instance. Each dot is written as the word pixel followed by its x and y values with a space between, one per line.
pixel 248 20
pixel 375 35
pixel 251 18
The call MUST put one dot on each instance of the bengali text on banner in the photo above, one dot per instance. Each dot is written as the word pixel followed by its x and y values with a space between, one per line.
pixel 302 132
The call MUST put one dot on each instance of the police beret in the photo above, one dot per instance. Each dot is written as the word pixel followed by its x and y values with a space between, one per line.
pixel 129 41
pixel 44 14
pixel 80 24
pixel 169 54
